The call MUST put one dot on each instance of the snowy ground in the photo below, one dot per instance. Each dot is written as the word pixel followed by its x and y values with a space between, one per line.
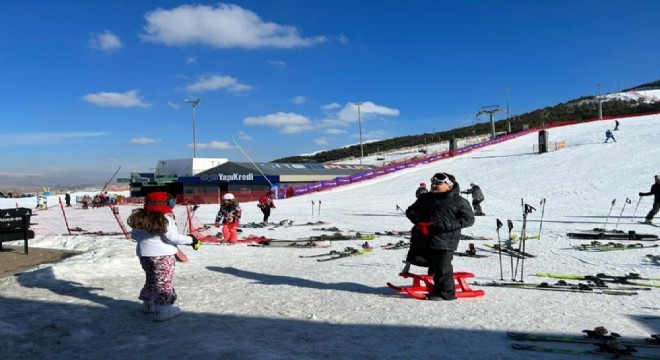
pixel 245 302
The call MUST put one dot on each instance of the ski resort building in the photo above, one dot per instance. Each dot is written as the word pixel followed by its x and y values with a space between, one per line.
pixel 205 180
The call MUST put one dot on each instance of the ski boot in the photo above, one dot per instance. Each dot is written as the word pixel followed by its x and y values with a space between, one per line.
pixel 148 307
pixel 612 346
pixel 166 312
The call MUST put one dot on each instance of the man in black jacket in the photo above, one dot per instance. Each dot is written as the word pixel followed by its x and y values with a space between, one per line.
pixel 477 198
pixel 439 216
pixel 655 190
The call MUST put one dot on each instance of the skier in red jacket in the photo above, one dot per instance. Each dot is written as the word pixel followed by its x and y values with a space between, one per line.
pixel 265 204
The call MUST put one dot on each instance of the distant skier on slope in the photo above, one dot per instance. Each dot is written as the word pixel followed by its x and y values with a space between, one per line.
pixel 477 198
pixel 439 216
pixel 609 135
pixel 616 125
pixel 421 190
pixel 265 204
pixel 655 190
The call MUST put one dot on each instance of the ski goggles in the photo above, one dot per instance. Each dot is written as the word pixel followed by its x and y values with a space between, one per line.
pixel 441 178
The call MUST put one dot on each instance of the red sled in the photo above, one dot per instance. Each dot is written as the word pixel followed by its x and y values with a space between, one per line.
pixel 423 284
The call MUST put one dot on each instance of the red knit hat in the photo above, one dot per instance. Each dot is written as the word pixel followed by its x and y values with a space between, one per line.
pixel 160 202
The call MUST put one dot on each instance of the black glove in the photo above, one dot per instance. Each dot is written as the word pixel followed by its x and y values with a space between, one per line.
pixel 641 194
pixel 196 243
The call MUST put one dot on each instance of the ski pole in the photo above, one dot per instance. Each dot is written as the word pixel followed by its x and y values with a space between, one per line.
pixel 400 209
pixel 510 224
pixel 312 210
pixel 628 201
pixel 542 212
pixel 634 212
pixel 499 247
pixel 319 214
pixel 608 214
pixel 528 210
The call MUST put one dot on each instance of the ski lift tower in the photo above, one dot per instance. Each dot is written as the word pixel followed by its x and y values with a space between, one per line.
pixel 491 110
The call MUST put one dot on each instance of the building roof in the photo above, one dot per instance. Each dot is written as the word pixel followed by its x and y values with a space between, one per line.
pixel 278 169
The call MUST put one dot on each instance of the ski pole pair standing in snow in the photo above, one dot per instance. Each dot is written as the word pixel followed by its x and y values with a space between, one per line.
pixel 157 237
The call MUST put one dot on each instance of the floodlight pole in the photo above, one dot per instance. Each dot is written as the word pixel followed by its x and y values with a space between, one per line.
pixel 491 110
pixel 360 126
pixel 194 105
pixel 600 104
pixel 506 91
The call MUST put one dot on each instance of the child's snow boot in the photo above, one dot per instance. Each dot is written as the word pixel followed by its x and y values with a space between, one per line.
pixel 166 312
pixel 148 307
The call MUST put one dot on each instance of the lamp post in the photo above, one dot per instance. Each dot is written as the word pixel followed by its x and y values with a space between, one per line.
pixel 360 126
pixel 194 105
pixel 508 121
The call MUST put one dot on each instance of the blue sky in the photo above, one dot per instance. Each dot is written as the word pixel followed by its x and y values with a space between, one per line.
pixel 92 85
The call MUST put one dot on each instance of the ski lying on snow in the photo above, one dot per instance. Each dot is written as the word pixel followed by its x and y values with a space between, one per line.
pixel 346 253
pixel 509 250
pixel 610 246
pixel 601 235
pixel 558 350
pixel 625 280
pixel 645 223
pixel 577 289
pixel 649 342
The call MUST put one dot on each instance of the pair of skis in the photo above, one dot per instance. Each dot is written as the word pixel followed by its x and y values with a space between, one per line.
pixel 611 246
pixel 577 288
pixel 630 279
pixel 335 255
pixel 607 345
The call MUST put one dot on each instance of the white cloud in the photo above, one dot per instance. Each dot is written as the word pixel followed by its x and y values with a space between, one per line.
pixel 215 82
pixel 106 41
pixel 330 106
pixel 333 131
pixel 349 114
pixel 216 145
pixel 367 110
pixel 46 138
pixel 113 99
pixel 173 105
pixel 287 123
pixel 144 140
pixel 342 39
pixel 299 100
pixel 281 65
pixel 191 60
pixel 321 141
pixel 244 136
pixel 224 26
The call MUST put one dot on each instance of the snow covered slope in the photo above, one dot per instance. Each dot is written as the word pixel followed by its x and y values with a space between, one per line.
pixel 244 302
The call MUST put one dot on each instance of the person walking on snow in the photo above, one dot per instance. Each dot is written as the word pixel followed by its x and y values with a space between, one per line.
pixel 655 190
pixel 439 216
pixel 229 216
pixel 67 199
pixel 157 237
pixel 616 125
pixel 477 198
pixel 265 204
pixel 421 190
pixel 609 135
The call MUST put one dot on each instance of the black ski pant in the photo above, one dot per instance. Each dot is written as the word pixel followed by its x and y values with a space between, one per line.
pixel 443 273
pixel 476 205
pixel 654 210
pixel 266 212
